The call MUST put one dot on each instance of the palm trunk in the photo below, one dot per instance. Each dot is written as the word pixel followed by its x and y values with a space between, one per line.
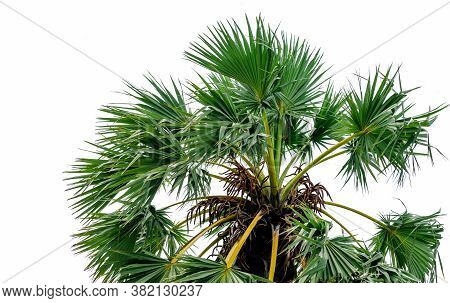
pixel 255 256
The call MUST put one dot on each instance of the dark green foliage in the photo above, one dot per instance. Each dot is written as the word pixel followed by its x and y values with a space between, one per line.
pixel 265 97
pixel 300 78
pixel 327 259
pixel 376 270
pixel 393 138
pixel 332 260
pixel 198 270
pixel 411 242
pixel 403 251
pixel 327 120
pixel 249 58
pixel 109 235
pixel 147 268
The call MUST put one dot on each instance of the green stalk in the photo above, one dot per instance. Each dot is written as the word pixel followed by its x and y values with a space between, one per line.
pixel 270 160
pixel 341 225
pixel 258 173
pixel 217 240
pixel 286 190
pixel 248 162
pixel 376 221
pixel 217 177
pixel 198 236
pixel 289 165
pixel 279 141
pixel 332 156
pixel 221 165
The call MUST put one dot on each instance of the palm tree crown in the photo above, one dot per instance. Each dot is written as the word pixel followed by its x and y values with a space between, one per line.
pixel 262 115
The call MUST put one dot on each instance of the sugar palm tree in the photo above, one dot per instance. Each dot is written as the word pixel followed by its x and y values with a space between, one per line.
pixel 260 116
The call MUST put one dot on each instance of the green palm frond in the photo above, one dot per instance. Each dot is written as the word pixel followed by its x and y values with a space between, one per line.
pixel 162 104
pixel 323 258
pixel 126 231
pixel 133 152
pixel 392 140
pixel 301 76
pixel 147 268
pixel 198 270
pixel 410 242
pixel 327 121
pixel 298 137
pixel 246 56
pixel 115 175
pixel 306 225
pixel 219 98
pixel 333 260
pixel 100 239
pixel 223 123
pixel 376 270
pixel 265 97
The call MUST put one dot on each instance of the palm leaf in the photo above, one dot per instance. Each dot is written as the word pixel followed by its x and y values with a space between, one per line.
pixel 410 242
pixel 125 231
pixel 392 140
pixel 376 270
pixel 147 268
pixel 323 258
pixel 248 57
pixel 333 260
pixel 198 270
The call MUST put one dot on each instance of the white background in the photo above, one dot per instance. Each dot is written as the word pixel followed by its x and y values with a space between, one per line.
pixel 50 94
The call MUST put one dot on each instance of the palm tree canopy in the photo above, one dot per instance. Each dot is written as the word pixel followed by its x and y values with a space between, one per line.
pixel 264 111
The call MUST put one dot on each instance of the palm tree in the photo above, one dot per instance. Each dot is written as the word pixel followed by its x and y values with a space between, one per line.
pixel 262 114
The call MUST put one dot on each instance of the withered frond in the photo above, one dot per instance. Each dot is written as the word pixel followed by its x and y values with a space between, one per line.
pixel 214 208
pixel 242 182
pixel 307 193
